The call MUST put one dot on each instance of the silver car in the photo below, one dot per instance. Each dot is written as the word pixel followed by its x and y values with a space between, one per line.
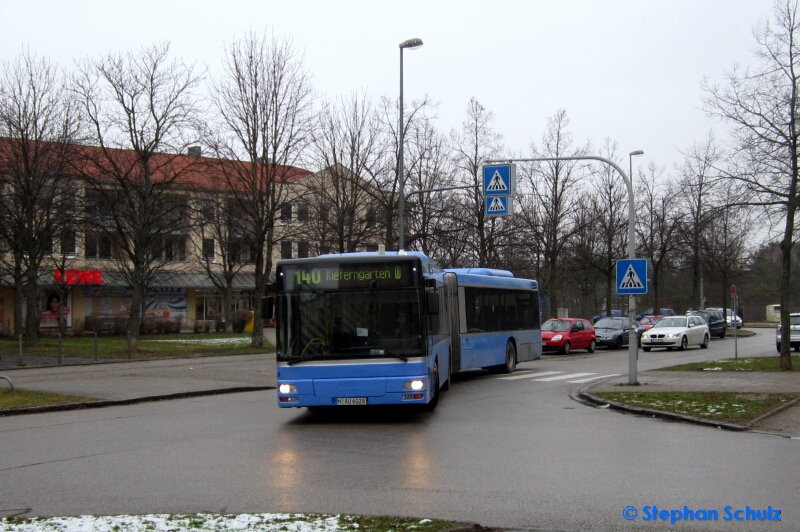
pixel 794 338
pixel 677 331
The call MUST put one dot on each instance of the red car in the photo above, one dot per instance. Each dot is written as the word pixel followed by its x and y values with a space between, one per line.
pixel 565 334
pixel 648 321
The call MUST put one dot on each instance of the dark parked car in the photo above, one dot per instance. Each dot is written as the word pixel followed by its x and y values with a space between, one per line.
pixel 613 332
pixel 714 320
pixel 649 312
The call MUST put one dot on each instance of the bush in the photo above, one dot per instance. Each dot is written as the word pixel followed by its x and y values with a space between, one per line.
pixel 240 319
pixel 107 325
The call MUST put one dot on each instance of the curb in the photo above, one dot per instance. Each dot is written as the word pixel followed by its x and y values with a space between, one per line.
pixel 583 396
pixel 119 402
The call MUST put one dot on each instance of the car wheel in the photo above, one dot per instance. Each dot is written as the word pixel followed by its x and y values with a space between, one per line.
pixel 778 347
pixel 797 348
pixel 684 343
pixel 619 343
pixel 704 345
pixel 724 331
pixel 565 349
pixel 592 346
pixel 646 349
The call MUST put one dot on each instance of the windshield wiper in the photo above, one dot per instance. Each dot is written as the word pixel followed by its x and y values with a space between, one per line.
pixel 382 350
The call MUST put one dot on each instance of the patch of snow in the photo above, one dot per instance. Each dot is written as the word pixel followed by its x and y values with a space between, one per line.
pixel 170 523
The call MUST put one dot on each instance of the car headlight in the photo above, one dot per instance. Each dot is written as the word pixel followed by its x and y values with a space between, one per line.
pixel 557 337
pixel 673 335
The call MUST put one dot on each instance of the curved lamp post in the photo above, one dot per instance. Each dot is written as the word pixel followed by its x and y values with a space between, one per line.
pixel 410 44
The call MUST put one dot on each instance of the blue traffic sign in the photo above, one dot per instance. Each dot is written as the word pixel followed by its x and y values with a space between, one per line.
pixel 632 276
pixel 499 180
pixel 498 206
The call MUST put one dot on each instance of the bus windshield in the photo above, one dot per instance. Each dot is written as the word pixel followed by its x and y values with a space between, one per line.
pixel 322 324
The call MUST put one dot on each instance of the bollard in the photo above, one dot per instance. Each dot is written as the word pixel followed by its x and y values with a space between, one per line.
pixel 9 382
pixel 19 362
pixel 128 347
pixel 60 349
pixel 95 347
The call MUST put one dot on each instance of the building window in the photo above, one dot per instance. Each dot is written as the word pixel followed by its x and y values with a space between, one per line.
pixel 286 249
pixel 208 211
pixel 372 218
pixel 286 213
pixel 302 250
pixel 209 251
pixel 302 212
pixel 97 245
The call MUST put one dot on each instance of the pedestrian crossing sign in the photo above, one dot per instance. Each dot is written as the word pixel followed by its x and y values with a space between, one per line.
pixel 631 276
pixel 499 180
pixel 498 206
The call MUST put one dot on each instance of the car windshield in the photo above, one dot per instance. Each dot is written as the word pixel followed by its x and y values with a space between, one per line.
pixel 672 321
pixel 610 323
pixel 556 325
pixel 648 321
pixel 794 320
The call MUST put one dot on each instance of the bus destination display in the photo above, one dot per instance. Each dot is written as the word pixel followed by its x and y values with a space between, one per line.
pixel 349 275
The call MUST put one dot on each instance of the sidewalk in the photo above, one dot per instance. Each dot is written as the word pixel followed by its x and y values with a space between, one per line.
pixel 134 381
pixel 784 421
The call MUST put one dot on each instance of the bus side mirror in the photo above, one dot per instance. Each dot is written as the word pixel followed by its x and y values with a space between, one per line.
pixel 433 302
pixel 267 304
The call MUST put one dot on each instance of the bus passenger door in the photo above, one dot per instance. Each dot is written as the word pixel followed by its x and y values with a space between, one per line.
pixel 467 360
pixel 452 307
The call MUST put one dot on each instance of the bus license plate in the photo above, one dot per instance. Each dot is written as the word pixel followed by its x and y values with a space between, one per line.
pixel 351 401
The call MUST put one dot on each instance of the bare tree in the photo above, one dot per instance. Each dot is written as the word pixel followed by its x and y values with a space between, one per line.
pixel 472 146
pixel 142 113
pixel 762 107
pixel 554 188
pixel 609 199
pixel 698 177
pixel 39 122
pixel 429 210
pixel 385 175
pixel 263 104
pixel 347 149
pixel 658 225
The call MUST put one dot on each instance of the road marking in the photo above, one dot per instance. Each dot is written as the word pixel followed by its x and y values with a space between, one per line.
pixel 562 377
pixel 594 378
pixel 531 375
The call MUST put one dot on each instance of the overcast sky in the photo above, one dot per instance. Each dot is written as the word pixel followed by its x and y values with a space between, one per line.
pixel 630 71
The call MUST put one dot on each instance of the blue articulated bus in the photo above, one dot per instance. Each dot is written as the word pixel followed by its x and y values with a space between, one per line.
pixel 391 328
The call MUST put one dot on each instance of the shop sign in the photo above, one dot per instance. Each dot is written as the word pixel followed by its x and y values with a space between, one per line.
pixel 78 276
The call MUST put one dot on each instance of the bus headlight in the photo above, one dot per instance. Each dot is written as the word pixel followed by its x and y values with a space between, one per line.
pixel 287 388
pixel 414 385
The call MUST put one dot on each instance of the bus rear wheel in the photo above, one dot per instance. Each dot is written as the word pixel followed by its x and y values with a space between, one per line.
pixel 511 358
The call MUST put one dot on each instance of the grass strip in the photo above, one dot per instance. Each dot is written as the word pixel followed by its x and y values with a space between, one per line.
pixel 729 407
pixel 149 347
pixel 770 363
pixel 26 399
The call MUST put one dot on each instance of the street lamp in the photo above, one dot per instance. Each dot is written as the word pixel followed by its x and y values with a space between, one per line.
pixel 631 155
pixel 410 44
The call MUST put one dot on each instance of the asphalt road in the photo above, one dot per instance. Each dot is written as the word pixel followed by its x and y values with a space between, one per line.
pixel 512 453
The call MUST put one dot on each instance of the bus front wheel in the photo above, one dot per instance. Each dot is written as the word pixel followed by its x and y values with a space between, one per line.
pixel 435 399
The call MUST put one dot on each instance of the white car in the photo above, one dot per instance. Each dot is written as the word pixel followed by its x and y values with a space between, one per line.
pixel 677 331
pixel 794 337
